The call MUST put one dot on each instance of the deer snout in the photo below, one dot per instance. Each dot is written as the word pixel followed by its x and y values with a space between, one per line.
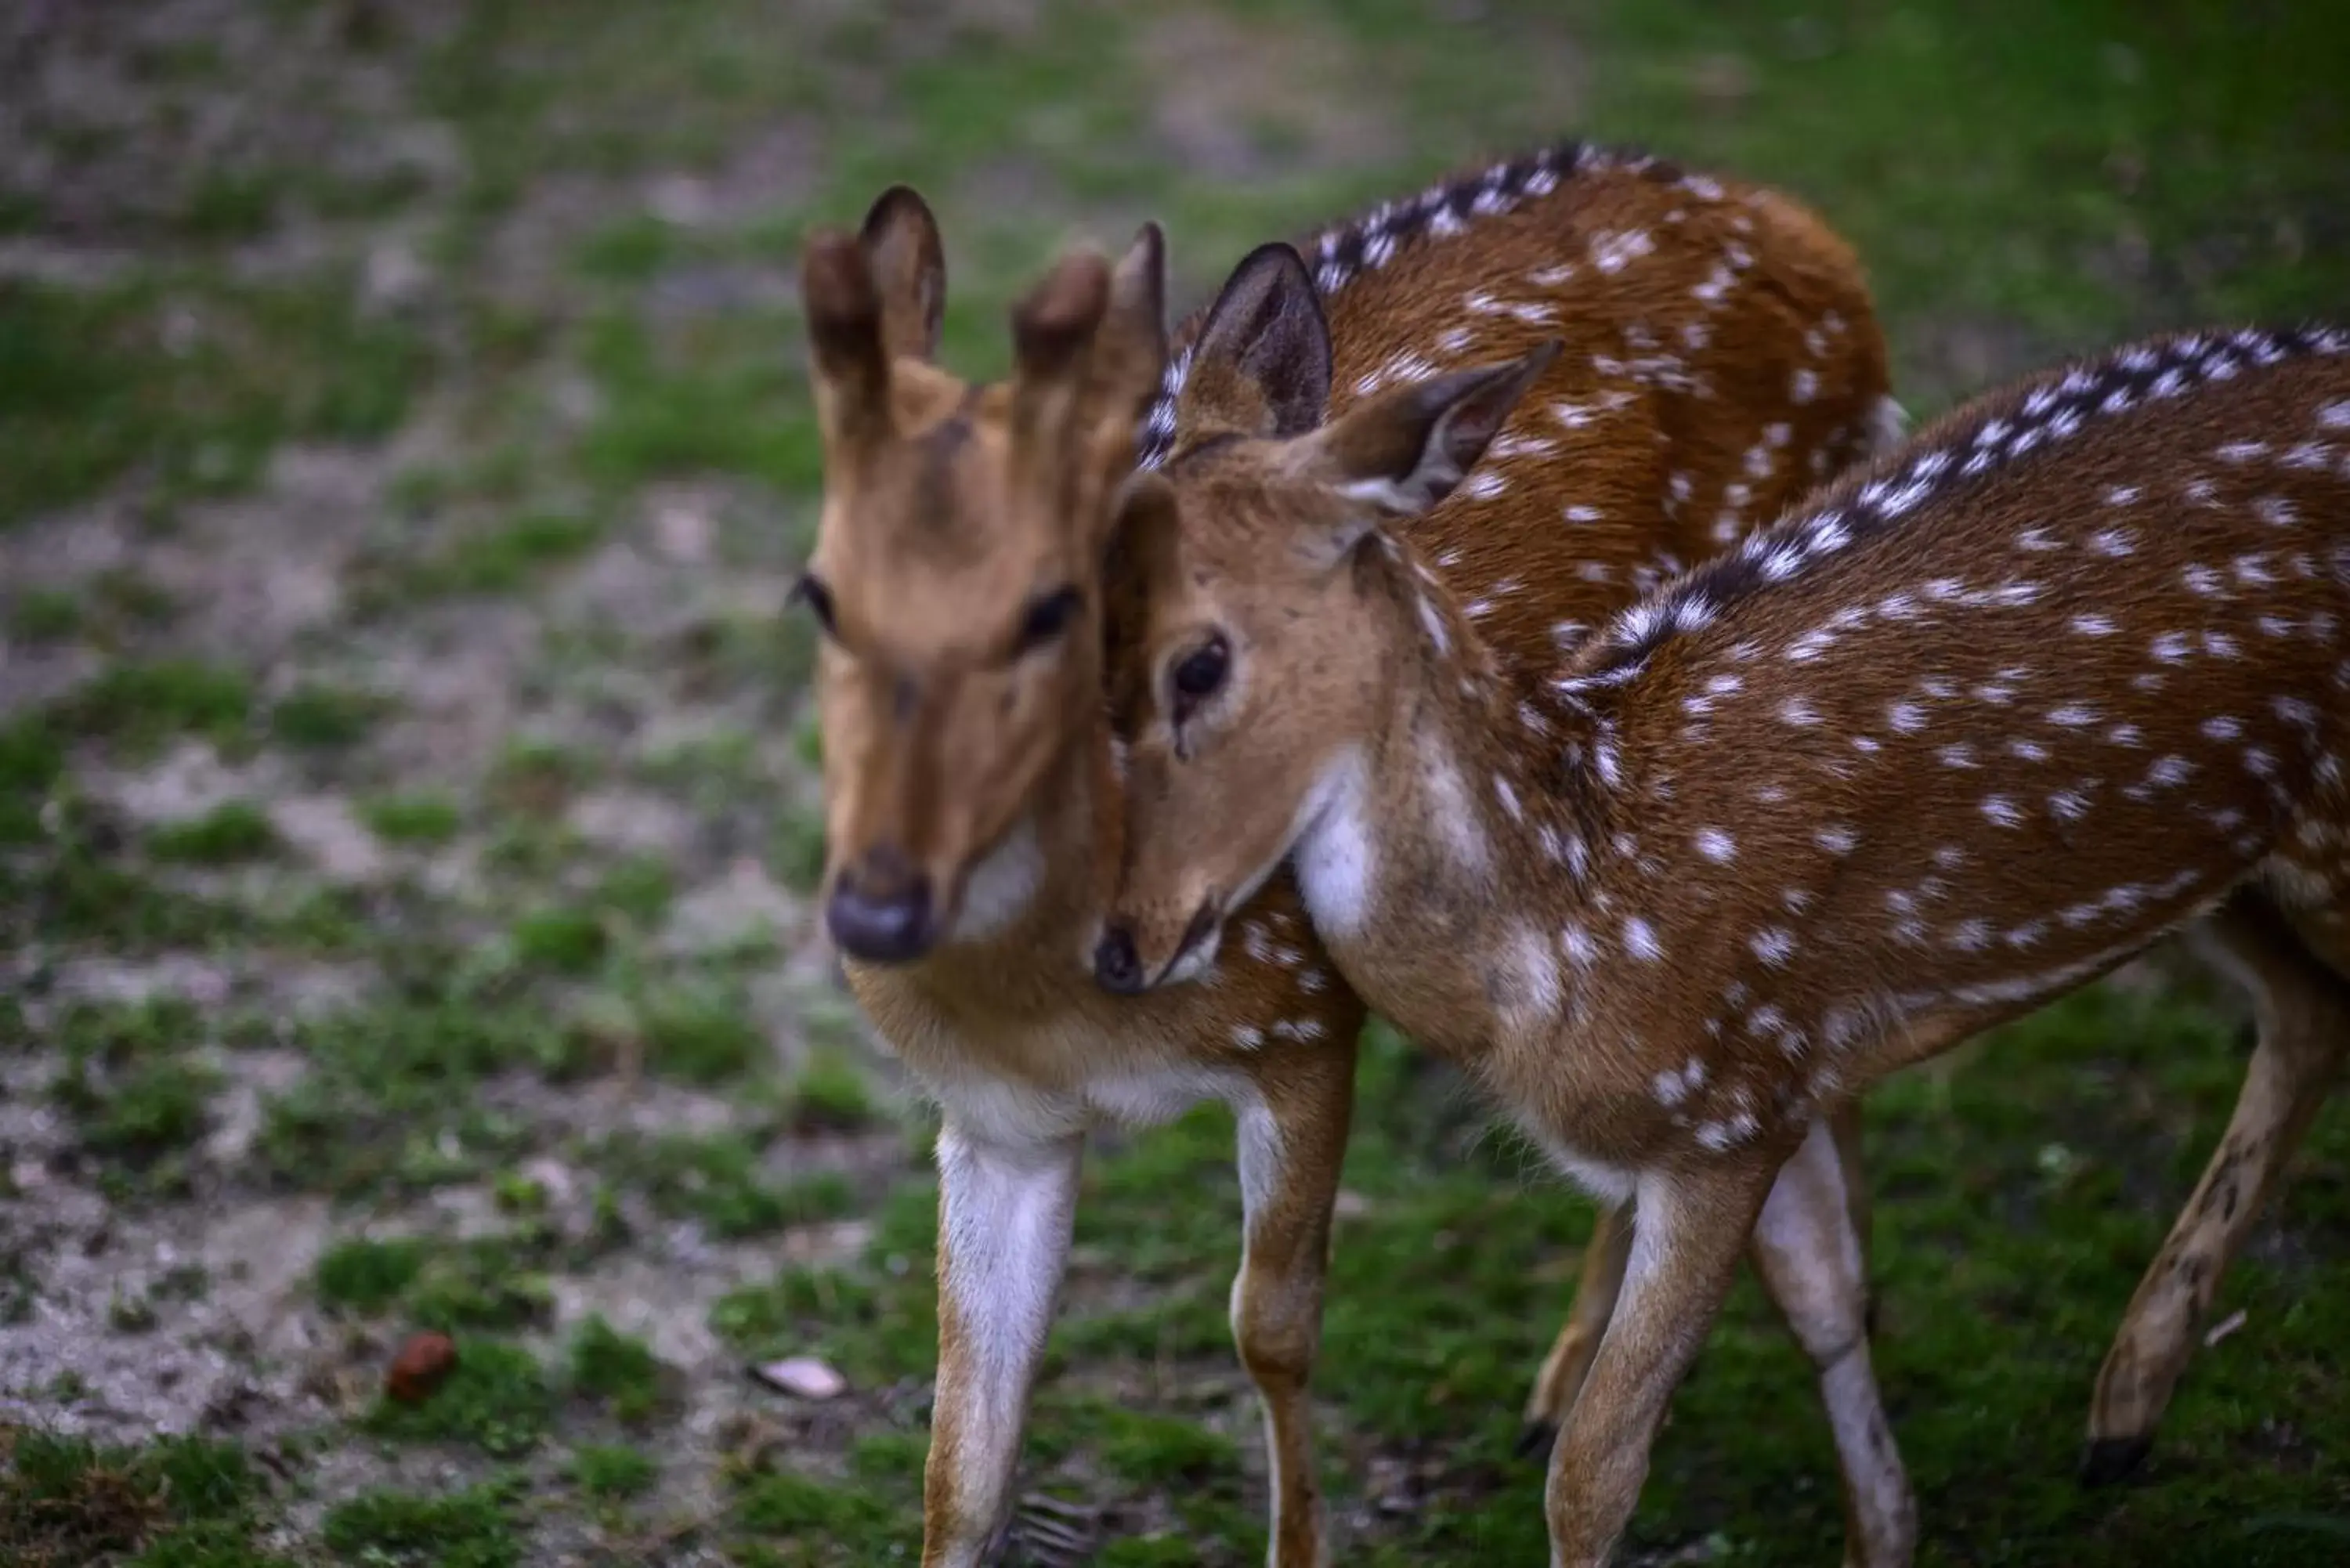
pixel 881 910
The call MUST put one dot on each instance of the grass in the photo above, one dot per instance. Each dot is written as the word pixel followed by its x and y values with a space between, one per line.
pixel 320 717
pixel 369 1276
pixel 417 819
pixel 496 1401
pixel 609 1472
pixel 616 1371
pixel 470 1529
pixel 141 705
pixel 233 831
pixel 206 366
pixel 178 1502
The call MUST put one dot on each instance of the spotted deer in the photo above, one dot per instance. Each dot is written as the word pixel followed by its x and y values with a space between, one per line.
pixel 1991 713
pixel 1731 356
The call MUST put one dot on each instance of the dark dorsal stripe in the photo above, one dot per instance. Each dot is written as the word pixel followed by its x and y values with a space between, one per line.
pixel 2045 412
pixel 1367 243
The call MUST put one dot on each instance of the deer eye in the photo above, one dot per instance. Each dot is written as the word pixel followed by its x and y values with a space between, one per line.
pixel 810 591
pixel 1048 616
pixel 1199 675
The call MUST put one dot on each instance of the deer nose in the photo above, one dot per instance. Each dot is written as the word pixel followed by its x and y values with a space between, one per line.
pixel 881 911
pixel 1116 966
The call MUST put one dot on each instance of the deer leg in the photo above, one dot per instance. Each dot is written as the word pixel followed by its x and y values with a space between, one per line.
pixel 1688 1229
pixel 1844 1129
pixel 1813 1263
pixel 1569 1361
pixel 1005 1213
pixel 2303 1014
pixel 1602 1278
pixel 1292 1145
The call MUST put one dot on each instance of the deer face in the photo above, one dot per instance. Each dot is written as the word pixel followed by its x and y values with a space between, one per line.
pixel 1253 634
pixel 956 573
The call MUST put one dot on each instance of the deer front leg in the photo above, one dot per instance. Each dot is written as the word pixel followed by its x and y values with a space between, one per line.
pixel 1814 1263
pixel 1688 1229
pixel 1005 1213
pixel 1292 1144
pixel 2303 1031
pixel 1569 1361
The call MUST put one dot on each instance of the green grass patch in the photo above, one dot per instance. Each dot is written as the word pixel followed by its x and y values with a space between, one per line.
pixel 387 1101
pixel 534 778
pixel 67 1500
pixel 612 1472
pixel 639 887
pixel 470 1529
pixel 141 704
pixel 565 941
pixel 617 1371
pixel 497 1400
pixel 415 818
pixel 629 250
pixel 828 1093
pixel 320 717
pixel 700 1037
pixel 93 387
pixel 717 1179
pixel 45 615
pixel 135 1098
pixel 483 1283
pixel 797 850
pixel 233 831
pixel 506 559
pixel 369 1276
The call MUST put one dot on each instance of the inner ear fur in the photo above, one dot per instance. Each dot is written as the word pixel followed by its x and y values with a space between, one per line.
pixel 1406 450
pixel 1260 366
pixel 900 242
pixel 851 373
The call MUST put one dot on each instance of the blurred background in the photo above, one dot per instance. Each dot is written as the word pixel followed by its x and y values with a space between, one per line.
pixel 407 810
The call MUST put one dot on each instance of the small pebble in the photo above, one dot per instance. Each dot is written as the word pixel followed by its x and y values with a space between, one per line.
pixel 802 1376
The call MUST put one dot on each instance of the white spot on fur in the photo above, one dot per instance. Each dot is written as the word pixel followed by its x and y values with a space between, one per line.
pixel 1640 941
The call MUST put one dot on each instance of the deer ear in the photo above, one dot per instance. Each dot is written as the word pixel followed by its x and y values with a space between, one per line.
pixel 844 319
pixel 1405 451
pixel 1132 349
pixel 1261 364
pixel 901 247
pixel 1140 559
pixel 1057 318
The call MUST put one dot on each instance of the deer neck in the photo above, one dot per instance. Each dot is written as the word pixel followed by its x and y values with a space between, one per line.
pixel 1447 847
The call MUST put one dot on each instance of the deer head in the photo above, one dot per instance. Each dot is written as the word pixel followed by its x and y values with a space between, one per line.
pixel 956 571
pixel 1244 599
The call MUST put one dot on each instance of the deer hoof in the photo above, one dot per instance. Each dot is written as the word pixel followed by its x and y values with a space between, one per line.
pixel 2112 1460
pixel 1535 1440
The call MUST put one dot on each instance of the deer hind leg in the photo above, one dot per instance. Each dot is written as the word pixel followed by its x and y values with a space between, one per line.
pixel 1569 1361
pixel 1602 1278
pixel 1810 1250
pixel 1292 1144
pixel 1688 1229
pixel 2301 1010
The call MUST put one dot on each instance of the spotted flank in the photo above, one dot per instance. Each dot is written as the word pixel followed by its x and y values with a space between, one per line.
pixel 2053 412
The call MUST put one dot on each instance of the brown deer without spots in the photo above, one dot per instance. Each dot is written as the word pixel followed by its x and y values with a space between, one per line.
pixel 2062 674
pixel 1726 355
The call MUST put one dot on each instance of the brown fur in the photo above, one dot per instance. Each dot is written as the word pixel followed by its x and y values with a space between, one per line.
pixel 1978 722
pixel 931 548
